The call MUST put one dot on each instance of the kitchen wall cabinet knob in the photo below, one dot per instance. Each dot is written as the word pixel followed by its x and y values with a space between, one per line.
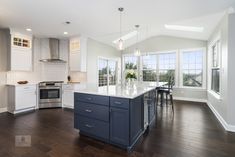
pixel 88 98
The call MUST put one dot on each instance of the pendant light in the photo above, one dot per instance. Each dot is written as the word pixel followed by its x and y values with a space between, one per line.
pixel 120 42
pixel 137 50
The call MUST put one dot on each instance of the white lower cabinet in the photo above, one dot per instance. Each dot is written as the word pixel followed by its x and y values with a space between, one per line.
pixel 68 99
pixel 21 98
pixel 68 94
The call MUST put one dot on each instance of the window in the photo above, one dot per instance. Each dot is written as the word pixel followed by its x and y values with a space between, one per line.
pixel 192 68
pixel 149 65
pixel 112 72
pixel 107 72
pixel 130 63
pixel 159 66
pixel 215 68
pixel 186 68
pixel 167 62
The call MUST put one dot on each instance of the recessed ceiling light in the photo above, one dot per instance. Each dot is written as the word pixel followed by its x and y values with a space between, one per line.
pixel 184 28
pixel 125 37
pixel 28 29
pixel 65 33
pixel 67 22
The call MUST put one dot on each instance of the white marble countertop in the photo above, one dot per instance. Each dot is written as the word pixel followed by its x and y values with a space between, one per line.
pixel 122 91
pixel 28 84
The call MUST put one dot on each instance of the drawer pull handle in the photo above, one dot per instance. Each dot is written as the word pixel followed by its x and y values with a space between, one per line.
pixel 89 126
pixel 117 102
pixel 88 98
pixel 89 111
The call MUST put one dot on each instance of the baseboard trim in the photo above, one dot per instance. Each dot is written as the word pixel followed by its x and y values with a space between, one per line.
pixel 226 126
pixel 190 99
pixel 3 110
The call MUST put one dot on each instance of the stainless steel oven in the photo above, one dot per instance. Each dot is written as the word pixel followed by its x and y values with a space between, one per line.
pixel 50 94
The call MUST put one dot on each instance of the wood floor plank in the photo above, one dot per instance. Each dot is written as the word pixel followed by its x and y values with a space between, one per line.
pixel 193 131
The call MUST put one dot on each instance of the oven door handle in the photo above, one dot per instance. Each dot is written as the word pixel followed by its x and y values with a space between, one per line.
pixel 49 87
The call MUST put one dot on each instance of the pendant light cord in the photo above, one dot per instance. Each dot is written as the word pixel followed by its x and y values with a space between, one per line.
pixel 137 37
pixel 120 25
pixel 121 10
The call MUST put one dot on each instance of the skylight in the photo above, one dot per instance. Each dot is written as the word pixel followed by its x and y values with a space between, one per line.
pixel 126 37
pixel 184 28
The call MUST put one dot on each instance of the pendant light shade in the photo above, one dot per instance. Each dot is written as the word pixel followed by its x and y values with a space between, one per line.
pixel 120 42
pixel 137 52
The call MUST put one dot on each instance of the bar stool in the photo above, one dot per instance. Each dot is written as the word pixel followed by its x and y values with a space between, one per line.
pixel 166 92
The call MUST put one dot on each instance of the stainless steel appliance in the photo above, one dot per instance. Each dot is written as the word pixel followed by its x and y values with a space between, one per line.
pixel 50 94
pixel 54 45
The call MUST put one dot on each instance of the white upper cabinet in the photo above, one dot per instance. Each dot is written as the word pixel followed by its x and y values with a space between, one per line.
pixel 21 52
pixel 77 54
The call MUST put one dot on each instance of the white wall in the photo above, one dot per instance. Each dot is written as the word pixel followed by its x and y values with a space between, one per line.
pixel 220 104
pixel 168 43
pixel 95 50
pixel 231 71
pixel 4 48
pixel 224 106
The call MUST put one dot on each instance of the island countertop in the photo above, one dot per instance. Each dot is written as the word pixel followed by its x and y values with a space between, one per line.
pixel 123 91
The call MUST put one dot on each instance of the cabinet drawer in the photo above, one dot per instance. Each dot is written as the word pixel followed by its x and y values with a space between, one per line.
pixel 67 87
pixel 94 127
pixel 92 111
pixel 119 102
pixel 26 88
pixel 97 99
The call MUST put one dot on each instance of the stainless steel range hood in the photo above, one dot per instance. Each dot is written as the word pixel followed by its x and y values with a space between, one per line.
pixel 54 52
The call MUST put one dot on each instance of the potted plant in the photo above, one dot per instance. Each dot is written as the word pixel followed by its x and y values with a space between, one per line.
pixel 130 75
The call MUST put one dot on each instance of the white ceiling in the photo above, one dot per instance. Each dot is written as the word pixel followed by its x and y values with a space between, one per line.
pixel 99 19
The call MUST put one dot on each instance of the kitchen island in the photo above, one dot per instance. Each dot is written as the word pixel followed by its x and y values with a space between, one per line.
pixel 116 114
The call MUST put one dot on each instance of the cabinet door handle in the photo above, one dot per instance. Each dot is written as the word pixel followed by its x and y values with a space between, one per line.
pixel 88 98
pixel 117 102
pixel 89 126
pixel 89 111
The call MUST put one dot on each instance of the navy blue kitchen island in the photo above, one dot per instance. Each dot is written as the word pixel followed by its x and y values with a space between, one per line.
pixel 117 114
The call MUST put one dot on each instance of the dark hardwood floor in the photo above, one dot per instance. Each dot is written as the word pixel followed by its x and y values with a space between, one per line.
pixel 193 131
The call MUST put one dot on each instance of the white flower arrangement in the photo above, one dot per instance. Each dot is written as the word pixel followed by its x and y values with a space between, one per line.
pixel 130 74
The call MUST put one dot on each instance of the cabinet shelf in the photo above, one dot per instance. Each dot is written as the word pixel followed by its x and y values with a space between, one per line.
pixel 21 42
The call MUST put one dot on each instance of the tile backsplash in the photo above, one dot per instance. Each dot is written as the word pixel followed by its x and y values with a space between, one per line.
pixel 13 77
pixel 78 77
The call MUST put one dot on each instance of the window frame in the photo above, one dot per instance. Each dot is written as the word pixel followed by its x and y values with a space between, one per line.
pixel 210 65
pixel 117 69
pixel 178 66
pixel 141 66
pixel 157 66
pixel 123 66
pixel 204 68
